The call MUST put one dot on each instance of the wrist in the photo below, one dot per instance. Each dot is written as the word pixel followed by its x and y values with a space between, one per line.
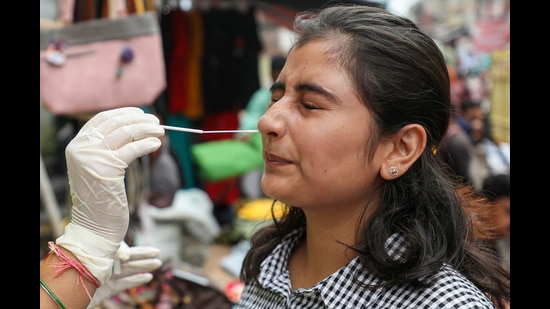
pixel 95 253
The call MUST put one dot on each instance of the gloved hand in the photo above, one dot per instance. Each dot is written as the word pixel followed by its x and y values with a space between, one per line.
pixel 136 263
pixel 97 159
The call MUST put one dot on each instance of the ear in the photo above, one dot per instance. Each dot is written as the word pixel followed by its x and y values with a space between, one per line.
pixel 408 145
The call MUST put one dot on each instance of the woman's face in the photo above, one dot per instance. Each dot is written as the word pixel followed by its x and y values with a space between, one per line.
pixel 315 135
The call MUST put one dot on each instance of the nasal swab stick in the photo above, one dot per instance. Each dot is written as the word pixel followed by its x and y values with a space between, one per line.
pixel 204 132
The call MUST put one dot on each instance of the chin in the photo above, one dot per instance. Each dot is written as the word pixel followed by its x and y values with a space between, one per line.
pixel 278 188
pixel 274 194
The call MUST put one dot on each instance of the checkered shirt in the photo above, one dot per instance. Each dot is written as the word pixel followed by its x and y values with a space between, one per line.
pixel 339 291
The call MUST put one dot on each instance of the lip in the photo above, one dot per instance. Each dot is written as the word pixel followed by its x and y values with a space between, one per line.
pixel 273 159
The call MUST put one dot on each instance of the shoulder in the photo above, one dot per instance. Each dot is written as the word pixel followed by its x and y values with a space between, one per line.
pixel 449 290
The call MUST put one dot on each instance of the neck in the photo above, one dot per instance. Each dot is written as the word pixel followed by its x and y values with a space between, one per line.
pixel 323 251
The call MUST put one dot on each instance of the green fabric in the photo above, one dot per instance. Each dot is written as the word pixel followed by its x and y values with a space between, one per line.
pixel 227 158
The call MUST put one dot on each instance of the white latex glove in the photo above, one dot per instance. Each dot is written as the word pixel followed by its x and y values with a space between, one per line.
pixel 136 263
pixel 97 159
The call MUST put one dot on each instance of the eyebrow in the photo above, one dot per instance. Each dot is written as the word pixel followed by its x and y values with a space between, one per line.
pixel 307 87
pixel 277 86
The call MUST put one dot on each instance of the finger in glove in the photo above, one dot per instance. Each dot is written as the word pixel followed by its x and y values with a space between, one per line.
pixel 138 266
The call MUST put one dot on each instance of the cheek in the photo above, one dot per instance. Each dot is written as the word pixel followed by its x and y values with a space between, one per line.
pixel 333 153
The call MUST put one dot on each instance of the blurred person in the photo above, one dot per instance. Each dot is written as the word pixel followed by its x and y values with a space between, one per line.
pixel 474 117
pixel 497 189
pixel 348 144
pixel 496 155
pixel 471 113
pixel 165 178
pixel 169 211
pixel 490 157
pixel 456 150
pixel 248 120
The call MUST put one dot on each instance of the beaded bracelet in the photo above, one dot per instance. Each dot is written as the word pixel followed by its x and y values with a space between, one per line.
pixel 52 295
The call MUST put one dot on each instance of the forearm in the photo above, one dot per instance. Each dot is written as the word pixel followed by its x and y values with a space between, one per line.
pixel 66 286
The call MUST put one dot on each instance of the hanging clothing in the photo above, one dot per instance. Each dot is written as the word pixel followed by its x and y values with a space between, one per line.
pixel 194 107
pixel 177 61
pixel 230 64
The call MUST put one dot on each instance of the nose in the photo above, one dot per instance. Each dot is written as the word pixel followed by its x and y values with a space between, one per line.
pixel 272 121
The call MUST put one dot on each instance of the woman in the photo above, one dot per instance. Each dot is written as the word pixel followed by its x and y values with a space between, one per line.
pixel 349 139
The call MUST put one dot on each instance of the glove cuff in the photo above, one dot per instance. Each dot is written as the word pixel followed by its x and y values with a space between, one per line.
pixel 96 253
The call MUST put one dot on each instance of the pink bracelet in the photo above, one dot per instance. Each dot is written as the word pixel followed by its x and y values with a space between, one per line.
pixel 67 263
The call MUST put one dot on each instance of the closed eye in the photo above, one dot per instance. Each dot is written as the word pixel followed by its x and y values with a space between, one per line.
pixel 310 106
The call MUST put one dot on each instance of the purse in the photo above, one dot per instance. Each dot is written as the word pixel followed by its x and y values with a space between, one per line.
pixel 99 64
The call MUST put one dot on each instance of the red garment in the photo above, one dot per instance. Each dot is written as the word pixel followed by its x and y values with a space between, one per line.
pixel 177 64
pixel 224 191
pixel 228 120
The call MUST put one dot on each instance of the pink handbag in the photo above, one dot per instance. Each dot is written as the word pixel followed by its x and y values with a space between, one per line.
pixel 100 64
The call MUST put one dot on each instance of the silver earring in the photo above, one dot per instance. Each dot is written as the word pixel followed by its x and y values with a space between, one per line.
pixel 393 171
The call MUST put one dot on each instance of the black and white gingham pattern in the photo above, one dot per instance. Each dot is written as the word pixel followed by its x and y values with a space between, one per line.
pixel 451 290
